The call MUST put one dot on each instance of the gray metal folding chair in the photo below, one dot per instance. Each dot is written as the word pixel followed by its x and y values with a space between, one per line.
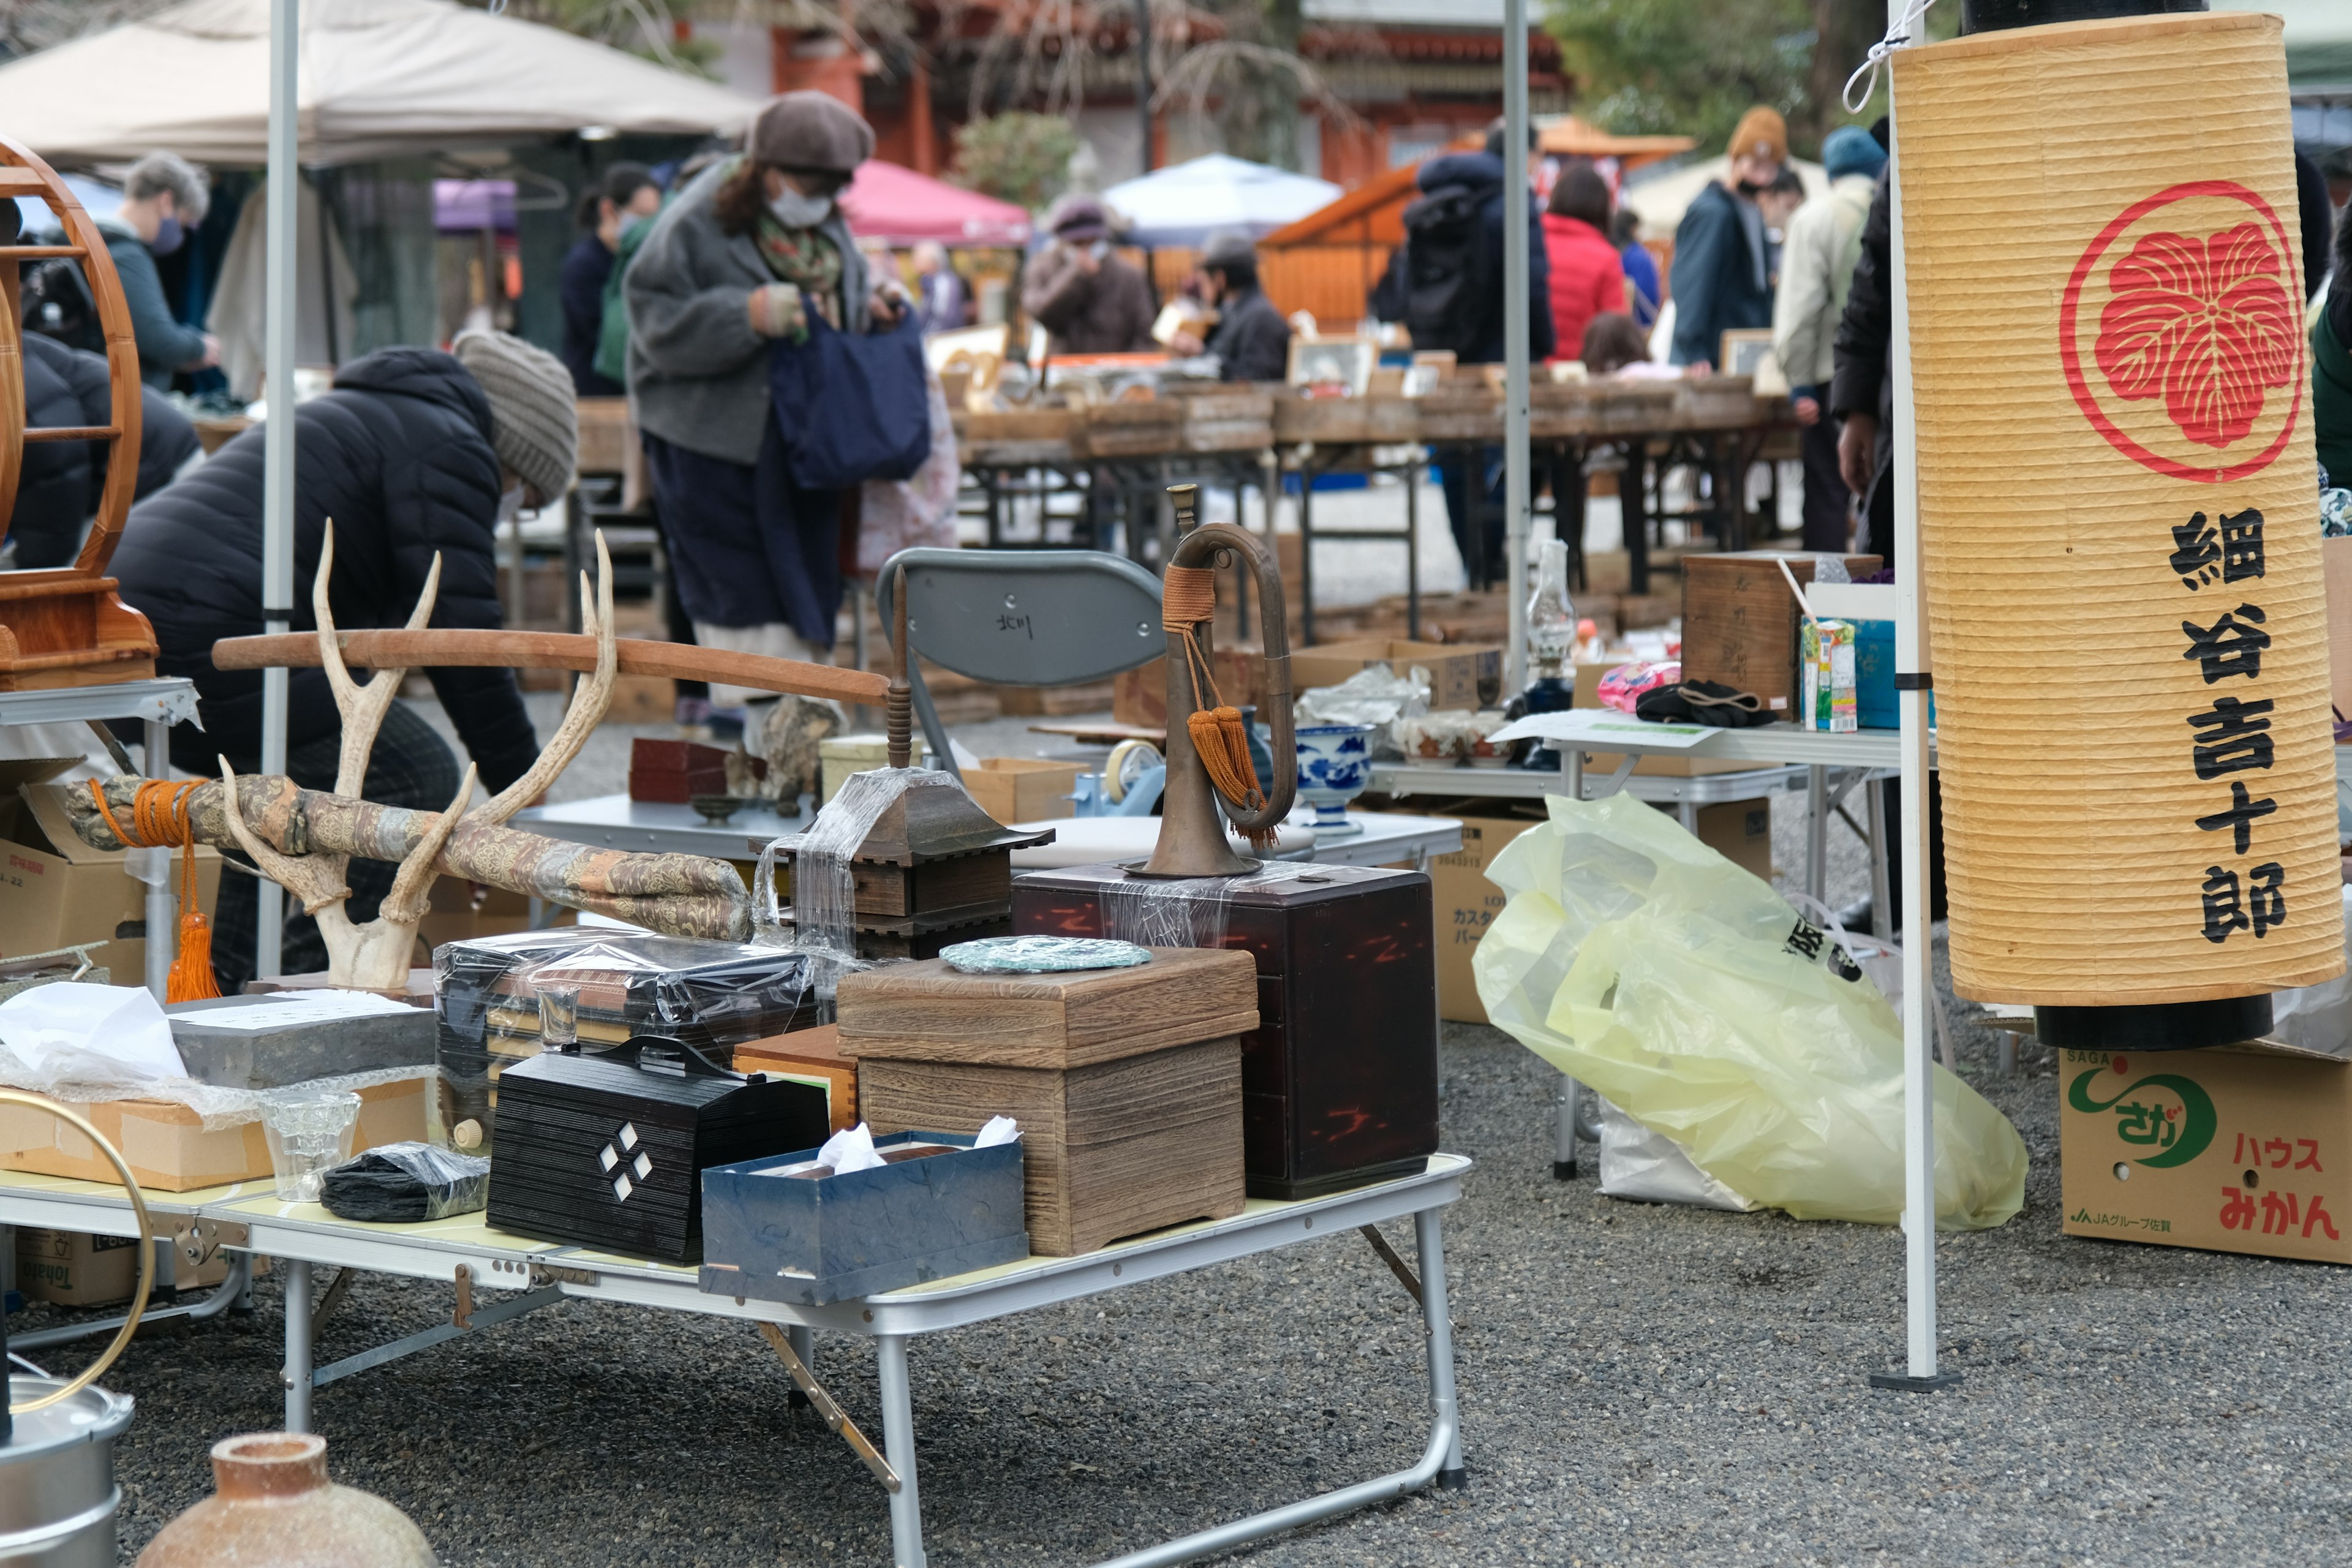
pixel 1020 617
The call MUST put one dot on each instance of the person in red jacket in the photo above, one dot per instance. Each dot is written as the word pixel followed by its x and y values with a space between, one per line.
pixel 1588 280
pixel 1588 275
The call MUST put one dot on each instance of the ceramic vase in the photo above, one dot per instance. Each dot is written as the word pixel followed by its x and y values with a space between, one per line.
pixel 1334 763
pixel 274 1504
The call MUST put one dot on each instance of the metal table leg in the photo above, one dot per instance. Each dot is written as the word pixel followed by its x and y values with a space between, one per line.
pixel 297 1372
pixel 1441 1460
pixel 1882 893
pixel 162 927
pixel 1563 1135
pixel 1306 552
pixel 803 1339
pixel 1634 508
pixel 1817 833
pixel 238 1285
pixel 1413 549
pixel 898 1447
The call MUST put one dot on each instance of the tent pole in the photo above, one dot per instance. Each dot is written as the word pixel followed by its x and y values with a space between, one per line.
pixel 1912 682
pixel 1516 305
pixel 1143 77
pixel 278 437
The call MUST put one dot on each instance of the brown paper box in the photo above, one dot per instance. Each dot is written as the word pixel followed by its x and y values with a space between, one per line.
pixel 68 1269
pixel 1465 675
pixel 57 891
pixel 1467 904
pixel 1140 696
pixel 2111 377
pixel 1022 789
pixel 2240 1149
pixel 167 1148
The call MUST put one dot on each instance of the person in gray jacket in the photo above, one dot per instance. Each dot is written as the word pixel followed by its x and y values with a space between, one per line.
pixel 739 259
pixel 164 198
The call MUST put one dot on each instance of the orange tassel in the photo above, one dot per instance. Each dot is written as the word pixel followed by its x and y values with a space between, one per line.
pixel 160 812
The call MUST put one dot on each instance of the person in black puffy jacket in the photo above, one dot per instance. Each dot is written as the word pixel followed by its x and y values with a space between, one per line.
pixel 58 490
pixel 409 456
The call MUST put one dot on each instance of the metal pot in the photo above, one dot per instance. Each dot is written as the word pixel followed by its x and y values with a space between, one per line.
pixel 58 1496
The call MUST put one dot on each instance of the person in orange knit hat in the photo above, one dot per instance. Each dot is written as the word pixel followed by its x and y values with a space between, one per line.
pixel 1722 276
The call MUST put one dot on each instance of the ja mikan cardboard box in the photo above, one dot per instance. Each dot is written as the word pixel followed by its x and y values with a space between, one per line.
pixel 2238 1149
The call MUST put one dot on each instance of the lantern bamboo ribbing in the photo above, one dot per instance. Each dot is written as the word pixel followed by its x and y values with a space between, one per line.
pixel 2106 294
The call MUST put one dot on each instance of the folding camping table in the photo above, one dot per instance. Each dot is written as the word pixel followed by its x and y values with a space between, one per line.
pixel 527 1275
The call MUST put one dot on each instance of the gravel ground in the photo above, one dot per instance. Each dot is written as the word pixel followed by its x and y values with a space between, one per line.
pixel 1639 1384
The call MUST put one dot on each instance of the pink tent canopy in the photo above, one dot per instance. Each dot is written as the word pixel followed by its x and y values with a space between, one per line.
pixel 899 206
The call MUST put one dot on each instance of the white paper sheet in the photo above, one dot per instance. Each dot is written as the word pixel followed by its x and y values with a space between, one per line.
pixel 1605 729
pixel 278 1009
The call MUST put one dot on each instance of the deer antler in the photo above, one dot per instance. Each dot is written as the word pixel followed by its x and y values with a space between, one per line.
pixel 316 880
pixel 590 698
pixel 362 707
pixel 406 903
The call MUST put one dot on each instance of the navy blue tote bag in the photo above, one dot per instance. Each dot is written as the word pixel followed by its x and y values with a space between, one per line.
pixel 852 408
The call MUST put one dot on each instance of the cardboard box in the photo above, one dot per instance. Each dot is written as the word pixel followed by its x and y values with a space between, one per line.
pixel 468 911
pixel 1466 675
pixel 1022 789
pixel 66 1269
pixel 2237 1149
pixel 1140 696
pixel 167 1148
pixel 1739 620
pixel 1467 904
pixel 57 891
pixel 1668 764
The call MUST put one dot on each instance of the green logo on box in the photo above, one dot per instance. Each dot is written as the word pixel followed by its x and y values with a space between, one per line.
pixel 2176 1134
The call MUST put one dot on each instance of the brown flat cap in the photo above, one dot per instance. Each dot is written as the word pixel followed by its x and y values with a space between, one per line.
pixel 810 130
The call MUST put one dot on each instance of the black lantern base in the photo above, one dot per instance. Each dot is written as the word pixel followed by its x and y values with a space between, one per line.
pixel 2164 1027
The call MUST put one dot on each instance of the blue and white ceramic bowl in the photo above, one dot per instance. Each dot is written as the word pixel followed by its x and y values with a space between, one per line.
pixel 1334 763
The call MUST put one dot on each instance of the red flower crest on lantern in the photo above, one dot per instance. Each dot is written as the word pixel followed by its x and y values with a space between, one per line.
pixel 2208 323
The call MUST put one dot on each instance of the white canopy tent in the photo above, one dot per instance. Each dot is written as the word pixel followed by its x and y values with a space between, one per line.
pixel 379 79
pixel 1182 206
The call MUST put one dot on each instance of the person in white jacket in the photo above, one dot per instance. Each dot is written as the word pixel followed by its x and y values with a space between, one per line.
pixel 1817 255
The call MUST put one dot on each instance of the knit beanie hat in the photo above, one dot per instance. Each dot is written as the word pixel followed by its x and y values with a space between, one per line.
pixel 1760 130
pixel 534 421
pixel 1848 150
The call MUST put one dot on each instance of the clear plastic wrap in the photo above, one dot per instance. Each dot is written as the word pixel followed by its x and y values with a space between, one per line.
pixel 1183 911
pixel 405 1183
pixel 712 995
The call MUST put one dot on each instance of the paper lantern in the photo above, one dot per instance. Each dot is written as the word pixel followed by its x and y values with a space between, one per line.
pixel 2118 512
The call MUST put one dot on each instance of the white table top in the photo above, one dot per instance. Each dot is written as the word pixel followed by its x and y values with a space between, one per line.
pixel 616 822
pixel 433 1249
pixel 1387 837
pixel 1397 779
pixel 169 700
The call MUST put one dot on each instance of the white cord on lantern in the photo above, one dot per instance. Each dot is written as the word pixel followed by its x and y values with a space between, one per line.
pixel 1900 34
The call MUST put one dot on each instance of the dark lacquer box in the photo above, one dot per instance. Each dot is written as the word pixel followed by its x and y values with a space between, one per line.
pixel 1339 1077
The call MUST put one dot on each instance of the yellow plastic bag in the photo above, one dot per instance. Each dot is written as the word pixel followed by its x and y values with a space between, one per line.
pixel 1639 961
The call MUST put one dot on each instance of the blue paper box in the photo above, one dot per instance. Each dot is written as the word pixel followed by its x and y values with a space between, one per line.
pixel 808 1240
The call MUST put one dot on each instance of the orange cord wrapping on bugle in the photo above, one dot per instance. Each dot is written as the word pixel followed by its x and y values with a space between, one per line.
pixel 1219 737
pixel 160 813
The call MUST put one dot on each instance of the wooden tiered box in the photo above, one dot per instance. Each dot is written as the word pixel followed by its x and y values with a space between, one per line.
pixel 1126 1082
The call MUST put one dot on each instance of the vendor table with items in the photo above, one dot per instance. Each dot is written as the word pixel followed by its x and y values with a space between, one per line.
pixel 249 1220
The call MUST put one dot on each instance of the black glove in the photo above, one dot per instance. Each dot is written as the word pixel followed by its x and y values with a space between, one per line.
pixel 1701 702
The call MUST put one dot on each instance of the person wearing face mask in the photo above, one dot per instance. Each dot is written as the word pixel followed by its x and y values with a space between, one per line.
pixel 751 251
pixel 624 194
pixel 414 455
pixel 1088 299
pixel 164 197
pixel 1722 275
